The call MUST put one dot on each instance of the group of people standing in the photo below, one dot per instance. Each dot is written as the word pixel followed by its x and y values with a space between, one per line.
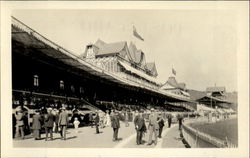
pixel 155 126
pixel 112 119
pixel 156 122
pixel 51 120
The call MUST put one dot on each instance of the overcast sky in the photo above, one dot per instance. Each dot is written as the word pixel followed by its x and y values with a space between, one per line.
pixel 199 44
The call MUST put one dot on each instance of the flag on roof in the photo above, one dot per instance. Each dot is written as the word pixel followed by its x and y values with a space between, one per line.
pixel 173 71
pixel 136 34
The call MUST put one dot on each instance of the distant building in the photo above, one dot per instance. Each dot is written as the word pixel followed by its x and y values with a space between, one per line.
pixel 174 87
pixel 218 92
pixel 213 97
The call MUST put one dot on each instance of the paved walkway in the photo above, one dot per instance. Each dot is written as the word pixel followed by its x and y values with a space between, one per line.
pixel 86 138
pixel 172 139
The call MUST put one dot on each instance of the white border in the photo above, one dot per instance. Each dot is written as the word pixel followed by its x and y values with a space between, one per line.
pixel 243 81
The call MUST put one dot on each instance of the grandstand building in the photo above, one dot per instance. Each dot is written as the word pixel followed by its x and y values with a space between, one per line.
pixel 105 76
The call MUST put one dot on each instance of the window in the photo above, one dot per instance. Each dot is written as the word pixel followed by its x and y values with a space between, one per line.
pixel 72 88
pixel 81 90
pixel 61 84
pixel 36 80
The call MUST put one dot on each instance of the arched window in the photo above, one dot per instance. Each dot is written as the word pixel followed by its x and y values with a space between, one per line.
pixel 36 80
pixel 61 84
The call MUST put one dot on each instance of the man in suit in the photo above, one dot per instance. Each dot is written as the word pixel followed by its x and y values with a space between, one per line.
pixel 153 127
pixel 49 123
pixel 140 127
pixel 169 120
pixel 97 120
pixel 63 122
pixel 36 125
pixel 161 124
pixel 180 119
pixel 115 124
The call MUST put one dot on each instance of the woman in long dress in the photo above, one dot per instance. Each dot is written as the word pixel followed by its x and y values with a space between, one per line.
pixel 108 121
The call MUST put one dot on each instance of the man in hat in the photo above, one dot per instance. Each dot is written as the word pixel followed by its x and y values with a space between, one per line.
pixel 97 121
pixel 140 127
pixel 180 120
pixel 161 124
pixel 49 123
pixel 63 122
pixel 36 125
pixel 115 124
pixel 169 120
pixel 153 127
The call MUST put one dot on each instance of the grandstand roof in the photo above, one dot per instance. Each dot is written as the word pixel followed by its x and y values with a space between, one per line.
pixel 30 39
pixel 111 48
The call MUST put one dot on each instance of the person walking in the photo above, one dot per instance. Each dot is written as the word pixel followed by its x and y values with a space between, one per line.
pixel 91 118
pixel 36 125
pixel 63 122
pixel 20 124
pixel 97 122
pixel 140 127
pixel 161 124
pixel 169 120
pixel 153 127
pixel 180 120
pixel 49 123
pixel 26 127
pixel 115 124
pixel 56 115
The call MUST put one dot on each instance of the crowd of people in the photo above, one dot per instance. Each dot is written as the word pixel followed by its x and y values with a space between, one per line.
pixel 50 120
pixel 53 121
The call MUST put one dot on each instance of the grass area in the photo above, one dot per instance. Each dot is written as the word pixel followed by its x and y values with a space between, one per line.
pixel 221 129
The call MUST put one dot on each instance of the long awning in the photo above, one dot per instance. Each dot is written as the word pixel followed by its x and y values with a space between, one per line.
pixel 32 39
pixel 139 73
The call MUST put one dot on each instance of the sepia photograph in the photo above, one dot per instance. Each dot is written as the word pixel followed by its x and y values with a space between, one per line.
pixel 134 78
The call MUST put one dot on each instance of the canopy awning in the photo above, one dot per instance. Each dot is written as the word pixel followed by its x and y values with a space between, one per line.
pixel 139 73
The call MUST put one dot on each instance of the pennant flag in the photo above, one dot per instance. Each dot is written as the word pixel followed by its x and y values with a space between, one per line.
pixel 136 34
pixel 173 71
